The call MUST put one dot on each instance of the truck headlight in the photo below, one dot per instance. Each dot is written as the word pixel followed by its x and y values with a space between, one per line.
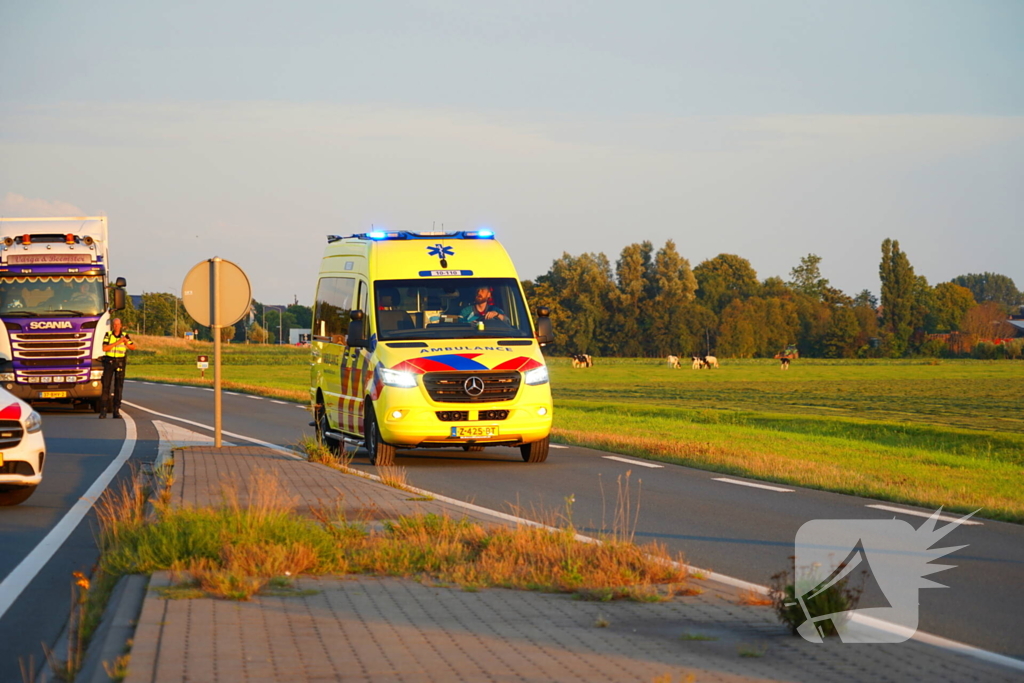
pixel 96 374
pixel 33 423
pixel 536 376
pixel 6 376
pixel 398 378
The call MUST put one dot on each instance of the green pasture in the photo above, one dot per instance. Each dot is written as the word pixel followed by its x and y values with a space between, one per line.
pixel 921 432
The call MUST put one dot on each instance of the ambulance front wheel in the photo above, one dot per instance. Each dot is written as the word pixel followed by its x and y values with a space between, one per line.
pixel 536 451
pixel 380 453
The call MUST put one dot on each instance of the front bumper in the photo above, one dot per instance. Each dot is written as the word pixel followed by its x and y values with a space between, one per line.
pixel 407 421
pixel 30 453
pixel 33 392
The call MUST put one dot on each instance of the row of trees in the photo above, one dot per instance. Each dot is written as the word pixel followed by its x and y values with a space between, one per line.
pixel 652 303
pixel 163 314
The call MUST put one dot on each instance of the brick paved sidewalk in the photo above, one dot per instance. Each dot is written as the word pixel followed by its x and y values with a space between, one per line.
pixel 383 629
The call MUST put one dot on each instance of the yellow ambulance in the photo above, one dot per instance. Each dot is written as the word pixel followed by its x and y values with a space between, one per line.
pixel 424 340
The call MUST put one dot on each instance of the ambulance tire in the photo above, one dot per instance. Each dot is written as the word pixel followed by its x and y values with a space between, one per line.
pixel 16 496
pixel 381 454
pixel 322 425
pixel 536 451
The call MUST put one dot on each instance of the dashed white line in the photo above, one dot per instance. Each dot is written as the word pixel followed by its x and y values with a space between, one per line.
pixel 751 484
pixel 258 398
pixel 204 388
pixel 233 393
pixel 918 513
pixel 556 445
pixel 641 463
pixel 280 403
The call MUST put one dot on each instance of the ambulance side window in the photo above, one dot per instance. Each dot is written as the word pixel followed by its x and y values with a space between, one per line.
pixel 333 302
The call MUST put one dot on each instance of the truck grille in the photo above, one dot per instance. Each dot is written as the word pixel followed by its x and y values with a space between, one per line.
pixel 51 345
pixel 10 433
pixel 450 387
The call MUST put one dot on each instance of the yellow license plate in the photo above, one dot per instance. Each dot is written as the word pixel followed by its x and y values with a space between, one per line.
pixel 474 432
pixel 53 394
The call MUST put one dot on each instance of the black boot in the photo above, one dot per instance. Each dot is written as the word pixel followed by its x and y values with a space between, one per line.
pixel 103 416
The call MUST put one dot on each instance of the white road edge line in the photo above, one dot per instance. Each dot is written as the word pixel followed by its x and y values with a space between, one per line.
pixel 22 575
pixel 920 636
pixel 918 513
pixel 726 480
pixel 632 462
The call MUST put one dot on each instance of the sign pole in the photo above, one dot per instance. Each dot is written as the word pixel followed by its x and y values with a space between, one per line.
pixel 216 319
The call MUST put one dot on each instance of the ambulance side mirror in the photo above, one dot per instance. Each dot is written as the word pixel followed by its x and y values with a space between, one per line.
pixel 356 335
pixel 545 334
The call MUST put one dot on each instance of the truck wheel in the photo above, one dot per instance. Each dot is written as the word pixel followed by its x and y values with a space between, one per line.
pixel 16 496
pixel 472 449
pixel 322 425
pixel 536 451
pixel 380 453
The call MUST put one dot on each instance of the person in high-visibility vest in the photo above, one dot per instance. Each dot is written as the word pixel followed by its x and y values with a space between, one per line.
pixel 116 345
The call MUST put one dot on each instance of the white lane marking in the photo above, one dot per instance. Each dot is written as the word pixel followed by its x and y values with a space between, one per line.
pixel 233 393
pixel 751 484
pixel 280 403
pixel 175 436
pixel 556 445
pixel 28 568
pixel 258 398
pixel 917 513
pixel 920 636
pixel 204 388
pixel 286 451
pixel 641 463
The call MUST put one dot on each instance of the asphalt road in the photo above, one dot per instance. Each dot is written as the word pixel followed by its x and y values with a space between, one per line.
pixel 732 529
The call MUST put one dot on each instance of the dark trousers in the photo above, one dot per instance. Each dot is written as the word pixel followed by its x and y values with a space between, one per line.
pixel 113 384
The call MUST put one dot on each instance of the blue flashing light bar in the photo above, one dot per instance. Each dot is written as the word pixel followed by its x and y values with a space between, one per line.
pixel 377 235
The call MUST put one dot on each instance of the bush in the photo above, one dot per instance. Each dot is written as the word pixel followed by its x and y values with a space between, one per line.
pixel 986 350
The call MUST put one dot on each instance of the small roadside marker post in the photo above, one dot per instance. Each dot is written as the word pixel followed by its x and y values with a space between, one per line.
pixel 202 362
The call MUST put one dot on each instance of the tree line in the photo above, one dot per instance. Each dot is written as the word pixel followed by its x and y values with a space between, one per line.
pixel 163 314
pixel 651 303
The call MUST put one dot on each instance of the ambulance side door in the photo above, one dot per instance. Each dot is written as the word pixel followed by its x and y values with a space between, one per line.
pixel 330 326
pixel 355 372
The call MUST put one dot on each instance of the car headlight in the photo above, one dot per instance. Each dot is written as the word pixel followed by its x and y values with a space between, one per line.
pixel 33 423
pixel 536 376
pixel 398 378
pixel 6 376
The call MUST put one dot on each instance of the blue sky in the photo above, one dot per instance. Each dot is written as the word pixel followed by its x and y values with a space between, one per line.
pixel 770 130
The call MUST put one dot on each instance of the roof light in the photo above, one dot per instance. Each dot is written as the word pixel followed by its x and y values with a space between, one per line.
pixel 377 235
pixel 26 239
pixel 485 233
pixel 69 238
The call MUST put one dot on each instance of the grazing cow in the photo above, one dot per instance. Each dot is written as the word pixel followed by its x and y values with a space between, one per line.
pixel 710 362
pixel 673 362
pixel 582 360
pixel 785 362
pixel 698 363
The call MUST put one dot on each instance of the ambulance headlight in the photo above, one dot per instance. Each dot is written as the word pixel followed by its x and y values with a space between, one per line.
pixel 33 423
pixel 398 378
pixel 536 376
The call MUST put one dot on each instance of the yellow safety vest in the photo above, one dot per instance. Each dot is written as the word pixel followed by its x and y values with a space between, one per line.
pixel 119 351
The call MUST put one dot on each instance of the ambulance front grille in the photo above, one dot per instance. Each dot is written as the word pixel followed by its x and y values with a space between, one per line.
pixel 450 387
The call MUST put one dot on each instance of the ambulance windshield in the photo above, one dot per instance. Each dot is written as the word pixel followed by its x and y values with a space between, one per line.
pixel 450 308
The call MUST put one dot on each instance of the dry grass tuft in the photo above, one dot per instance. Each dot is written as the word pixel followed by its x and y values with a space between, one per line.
pixel 753 598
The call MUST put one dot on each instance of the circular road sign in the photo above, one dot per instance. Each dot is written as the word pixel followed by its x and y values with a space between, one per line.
pixel 233 298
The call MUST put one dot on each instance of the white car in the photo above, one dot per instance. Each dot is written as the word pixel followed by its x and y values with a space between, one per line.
pixel 22 449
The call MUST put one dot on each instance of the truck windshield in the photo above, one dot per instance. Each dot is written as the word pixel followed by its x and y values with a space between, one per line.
pixel 50 296
pixel 455 308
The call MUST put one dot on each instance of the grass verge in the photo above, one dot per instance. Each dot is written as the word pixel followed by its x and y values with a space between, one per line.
pixel 236 552
pixel 925 465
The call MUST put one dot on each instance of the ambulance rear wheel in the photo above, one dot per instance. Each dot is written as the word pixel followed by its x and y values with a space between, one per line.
pixel 380 453
pixel 16 496
pixel 536 451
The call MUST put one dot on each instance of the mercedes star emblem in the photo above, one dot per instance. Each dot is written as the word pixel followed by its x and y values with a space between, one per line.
pixel 474 386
